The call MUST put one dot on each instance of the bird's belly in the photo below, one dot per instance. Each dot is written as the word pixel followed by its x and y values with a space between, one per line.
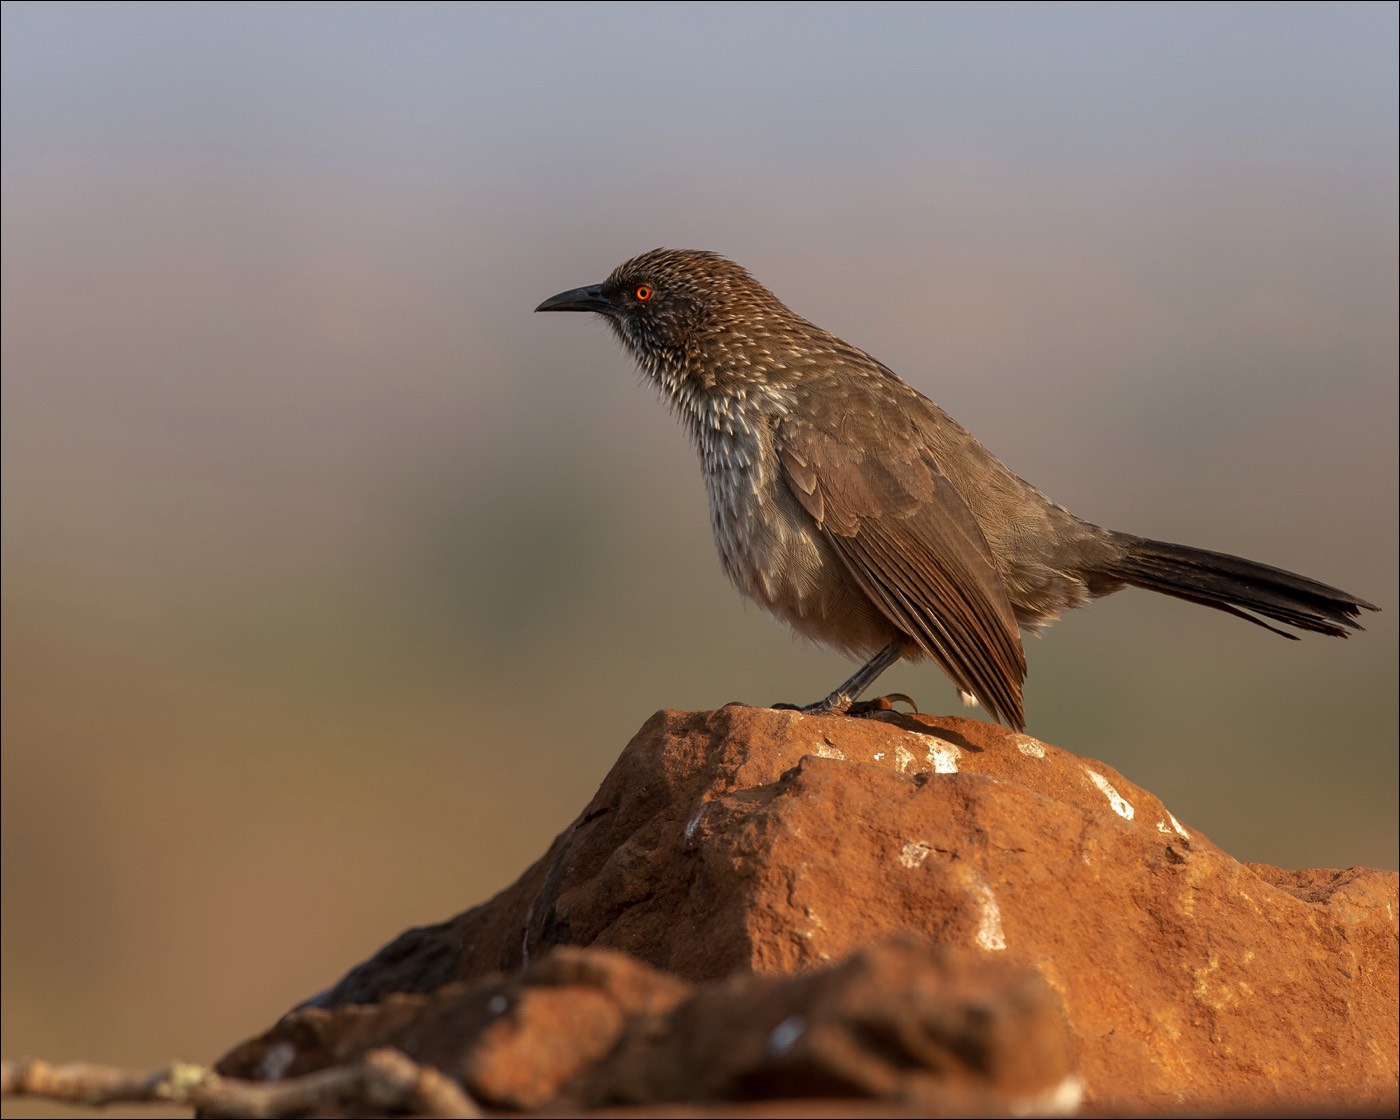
pixel 775 554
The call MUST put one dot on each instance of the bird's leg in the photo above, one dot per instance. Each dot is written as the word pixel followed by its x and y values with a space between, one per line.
pixel 847 693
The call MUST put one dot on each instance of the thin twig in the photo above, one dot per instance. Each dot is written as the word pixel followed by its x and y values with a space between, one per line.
pixel 383 1079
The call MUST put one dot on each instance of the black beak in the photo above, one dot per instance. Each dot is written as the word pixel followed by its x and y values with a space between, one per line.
pixel 590 298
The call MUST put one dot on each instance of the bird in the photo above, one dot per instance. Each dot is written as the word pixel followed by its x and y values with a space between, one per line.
pixel 848 505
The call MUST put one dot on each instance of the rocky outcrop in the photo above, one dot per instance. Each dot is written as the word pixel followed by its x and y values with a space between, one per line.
pixel 771 867
pixel 938 1031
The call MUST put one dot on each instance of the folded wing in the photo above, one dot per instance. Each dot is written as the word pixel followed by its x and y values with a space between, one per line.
pixel 913 546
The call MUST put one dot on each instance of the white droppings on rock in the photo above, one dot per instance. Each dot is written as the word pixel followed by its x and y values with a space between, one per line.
pixel 990 934
pixel 1115 799
pixel 914 853
pixel 693 824
pixel 785 1035
pixel 1174 827
pixel 277 1061
pixel 826 750
pixel 1028 746
pixel 941 755
pixel 1063 1099
pixel 903 758
pixel 878 756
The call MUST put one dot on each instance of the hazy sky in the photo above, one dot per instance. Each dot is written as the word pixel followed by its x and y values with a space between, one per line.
pixel 517 91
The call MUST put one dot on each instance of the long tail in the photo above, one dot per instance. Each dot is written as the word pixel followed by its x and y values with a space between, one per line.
pixel 1237 586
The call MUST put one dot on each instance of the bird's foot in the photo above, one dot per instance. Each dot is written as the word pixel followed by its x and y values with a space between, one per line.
pixel 839 704
pixel 881 704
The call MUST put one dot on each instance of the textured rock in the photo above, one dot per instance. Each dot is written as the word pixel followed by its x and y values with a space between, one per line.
pixel 749 841
pixel 944 1031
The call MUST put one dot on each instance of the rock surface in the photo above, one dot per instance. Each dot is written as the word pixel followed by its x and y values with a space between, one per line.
pixel 733 848
pixel 937 1030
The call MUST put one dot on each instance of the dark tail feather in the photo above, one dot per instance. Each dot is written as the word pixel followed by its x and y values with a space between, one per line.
pixel 1237 586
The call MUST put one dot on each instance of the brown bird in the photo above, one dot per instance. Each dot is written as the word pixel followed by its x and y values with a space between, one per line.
pixel 849 505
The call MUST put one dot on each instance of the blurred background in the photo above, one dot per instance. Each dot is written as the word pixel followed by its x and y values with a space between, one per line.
pixel 334 580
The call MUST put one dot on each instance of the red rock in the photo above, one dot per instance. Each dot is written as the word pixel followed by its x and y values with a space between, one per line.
pixel 944 1031
pixel 750 841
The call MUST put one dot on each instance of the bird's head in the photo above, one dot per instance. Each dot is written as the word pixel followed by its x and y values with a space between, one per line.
pixel 669 304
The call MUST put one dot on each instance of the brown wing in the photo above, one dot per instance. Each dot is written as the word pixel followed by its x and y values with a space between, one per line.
pixel 912 544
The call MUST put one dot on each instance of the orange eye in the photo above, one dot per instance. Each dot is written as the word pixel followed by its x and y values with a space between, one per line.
pixel 643 294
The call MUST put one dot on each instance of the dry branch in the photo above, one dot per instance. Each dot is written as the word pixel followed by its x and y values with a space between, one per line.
pixel 383 1080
